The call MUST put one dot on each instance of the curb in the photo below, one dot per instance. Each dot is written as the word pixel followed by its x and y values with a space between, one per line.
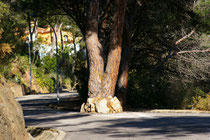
pixel 62 135
pixel 175 111
pixel 42 133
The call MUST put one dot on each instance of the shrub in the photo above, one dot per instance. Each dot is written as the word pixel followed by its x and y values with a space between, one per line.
pixel 68 83
pixel 44 80
pixel 49 64
pixel 47 82
pixel 203 103
pixel 196 96
pixel 22 63
pixel 201 100
pixel 5 71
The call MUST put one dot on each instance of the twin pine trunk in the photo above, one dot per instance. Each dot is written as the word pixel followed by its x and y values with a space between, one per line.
pixel 101 84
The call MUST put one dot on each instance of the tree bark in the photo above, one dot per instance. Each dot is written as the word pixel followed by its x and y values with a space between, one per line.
pixel 62 48
pixel 95 51
pixel 101 84
pixel 54 41
pixel 62 56
pixel 114 56
pixel 124 65
pixel 74 64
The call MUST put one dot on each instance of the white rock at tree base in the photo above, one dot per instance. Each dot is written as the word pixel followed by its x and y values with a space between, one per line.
pixel 102 105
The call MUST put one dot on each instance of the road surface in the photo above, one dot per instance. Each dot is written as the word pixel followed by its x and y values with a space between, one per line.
pixel 122 126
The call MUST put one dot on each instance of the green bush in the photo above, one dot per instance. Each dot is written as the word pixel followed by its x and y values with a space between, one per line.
pixel 203 103
pixel 49 64
pixel 5 71
pixel 22 63
pixel 201 100
pixel 47 82
pixel 68 83
pixel 44 80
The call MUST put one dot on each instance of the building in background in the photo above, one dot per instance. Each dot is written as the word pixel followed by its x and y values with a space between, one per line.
pixel 44 40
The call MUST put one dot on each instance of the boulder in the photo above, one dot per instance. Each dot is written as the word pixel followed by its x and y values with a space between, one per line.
pixel 12 124
pixel 115 105
pixel 16 89
pixel 102 105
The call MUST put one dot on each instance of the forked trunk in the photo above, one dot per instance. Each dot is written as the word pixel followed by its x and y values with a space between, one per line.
pixel 101 84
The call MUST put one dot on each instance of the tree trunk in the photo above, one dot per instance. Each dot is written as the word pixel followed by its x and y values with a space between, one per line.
pixel 101 84
pixel 58 33
pixel 112 68
pixel 54 41
pixel 62 56
pixel 74 64
pixel 95 51
pixel 124 65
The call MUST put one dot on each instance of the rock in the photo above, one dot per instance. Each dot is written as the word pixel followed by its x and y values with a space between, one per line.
pixel 16 89
pixel 116 105
pixel 102 105
pixel 12 124
pixel 92 108
pixel 90 103
pixel 82 109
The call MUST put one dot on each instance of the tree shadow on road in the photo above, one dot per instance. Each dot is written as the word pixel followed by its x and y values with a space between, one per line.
pixel 180 126
pixel 38 111
pixel 168 126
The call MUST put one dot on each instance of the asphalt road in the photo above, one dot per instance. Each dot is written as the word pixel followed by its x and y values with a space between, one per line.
pixel 122 126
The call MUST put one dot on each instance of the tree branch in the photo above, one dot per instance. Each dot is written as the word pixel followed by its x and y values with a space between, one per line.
pixel 193 51
pixel 186 36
